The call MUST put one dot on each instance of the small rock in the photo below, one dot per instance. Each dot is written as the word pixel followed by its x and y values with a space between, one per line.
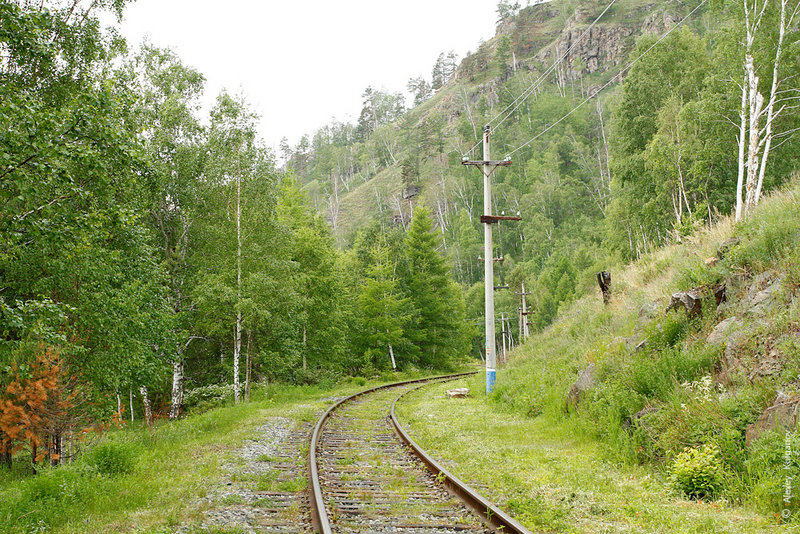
pixel 584 383
pixel 635 419
pixel 649 309
pixel 726 246
pixel 458 393
pixel 783 412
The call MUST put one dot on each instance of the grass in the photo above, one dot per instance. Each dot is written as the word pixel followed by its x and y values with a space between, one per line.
pixel 150 481
pixel 550 476
pixel 593 468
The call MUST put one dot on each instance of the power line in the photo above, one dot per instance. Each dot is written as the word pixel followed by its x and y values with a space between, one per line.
pixel 517 102
pixel 609 82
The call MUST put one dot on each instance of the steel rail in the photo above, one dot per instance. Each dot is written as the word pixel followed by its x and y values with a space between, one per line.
pixel 486 509
pixel 319 514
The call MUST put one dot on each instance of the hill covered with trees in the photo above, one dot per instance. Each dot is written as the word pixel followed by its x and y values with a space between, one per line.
pixel 630 125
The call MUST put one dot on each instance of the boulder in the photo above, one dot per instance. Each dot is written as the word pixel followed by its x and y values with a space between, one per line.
pixel 458 393
pixel 649 309
pixel 783 413
pixel 584 383
pixel 723 330
pixel 691 301
pixel 764 300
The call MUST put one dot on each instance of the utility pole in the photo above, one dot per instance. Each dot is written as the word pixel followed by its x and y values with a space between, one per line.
pixel 525 332
pixel 503 333
pixel 488 166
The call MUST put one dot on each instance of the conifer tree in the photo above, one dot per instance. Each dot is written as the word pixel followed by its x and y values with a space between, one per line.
pixel 438 328
pixel 384 311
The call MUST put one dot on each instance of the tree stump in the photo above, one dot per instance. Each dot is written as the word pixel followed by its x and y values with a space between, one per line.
pixel 604 280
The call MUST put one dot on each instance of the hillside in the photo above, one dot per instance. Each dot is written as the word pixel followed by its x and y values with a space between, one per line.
pixel 649 382
pixel 480 86
pixel 632 418
pixel 622 124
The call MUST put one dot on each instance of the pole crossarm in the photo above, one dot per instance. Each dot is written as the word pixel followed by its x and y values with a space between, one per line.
pixel 492 219
pixel 498 163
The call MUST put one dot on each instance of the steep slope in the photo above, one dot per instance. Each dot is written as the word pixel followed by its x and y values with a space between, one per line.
pixel 533 40
pixel 650 379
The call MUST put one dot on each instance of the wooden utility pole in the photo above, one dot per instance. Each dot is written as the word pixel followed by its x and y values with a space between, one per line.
pixel 488 166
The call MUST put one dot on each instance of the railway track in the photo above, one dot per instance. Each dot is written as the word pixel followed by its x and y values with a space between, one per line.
pixel 367 475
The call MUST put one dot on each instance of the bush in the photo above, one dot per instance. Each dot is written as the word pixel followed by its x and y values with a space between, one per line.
pixel 112 459
pixel 698 472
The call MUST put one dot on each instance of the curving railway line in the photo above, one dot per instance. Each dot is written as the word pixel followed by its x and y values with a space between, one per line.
pixel 367 475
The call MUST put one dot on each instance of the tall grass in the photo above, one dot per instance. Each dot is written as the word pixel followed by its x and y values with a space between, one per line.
pixel 648 360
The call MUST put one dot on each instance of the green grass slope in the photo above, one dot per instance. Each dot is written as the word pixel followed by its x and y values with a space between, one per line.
pixel 663 395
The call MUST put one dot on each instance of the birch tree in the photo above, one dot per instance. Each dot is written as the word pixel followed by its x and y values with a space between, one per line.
pixel 167 111
pixel 238 210
pixel 757 116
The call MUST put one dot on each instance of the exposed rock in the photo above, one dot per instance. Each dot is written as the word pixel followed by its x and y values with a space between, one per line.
pixel 711 261
pixel 649 309
pixel 726 246
pixel 764 300
pixel 636 418
pixel 691 301
pixel 720 293
pixel 783 412
pixel 770 364
pixel 659 22
pixel 722 331
pixel 584 383
pixel 458 393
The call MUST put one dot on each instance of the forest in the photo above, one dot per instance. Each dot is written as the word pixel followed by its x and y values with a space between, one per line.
pixel 155 256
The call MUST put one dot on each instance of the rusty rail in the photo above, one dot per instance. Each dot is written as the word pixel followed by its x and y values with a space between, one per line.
pixel 319 515
pixel 490 513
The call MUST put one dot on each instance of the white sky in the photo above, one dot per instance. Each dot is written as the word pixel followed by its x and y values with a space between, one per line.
pixel 302 63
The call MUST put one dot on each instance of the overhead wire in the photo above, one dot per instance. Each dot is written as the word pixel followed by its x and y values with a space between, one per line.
pixel 609 82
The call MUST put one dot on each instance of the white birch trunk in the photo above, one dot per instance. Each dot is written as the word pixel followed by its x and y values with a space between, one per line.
pixel 771 114
pixel 305 363
pixel 177 387
pixel 237 341
pixel 130 394
pixel 148 408
pixel 756 103
pixel 391 355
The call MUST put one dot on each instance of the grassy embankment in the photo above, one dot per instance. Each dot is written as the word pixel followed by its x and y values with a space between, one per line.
pixel 597 468
pixel 150 481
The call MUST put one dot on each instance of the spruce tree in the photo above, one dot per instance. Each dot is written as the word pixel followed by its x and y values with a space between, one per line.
pixel 384 313
pixel 439 329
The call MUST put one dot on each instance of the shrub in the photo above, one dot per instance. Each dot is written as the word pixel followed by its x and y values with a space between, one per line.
pixel 112 459
pixel 698 472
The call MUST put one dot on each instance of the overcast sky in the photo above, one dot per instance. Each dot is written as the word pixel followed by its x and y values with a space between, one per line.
pixel 302 63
